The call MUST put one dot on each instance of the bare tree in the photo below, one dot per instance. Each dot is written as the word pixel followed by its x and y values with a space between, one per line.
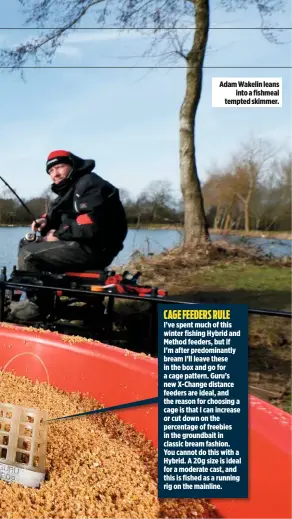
pixel 164 18
pixel 219 194
pixel 281 207
pixel 159 193
pixel 251 166
pixel 253 189
pixel 125 196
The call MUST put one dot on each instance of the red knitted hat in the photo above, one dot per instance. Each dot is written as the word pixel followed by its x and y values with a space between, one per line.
pixel 59 157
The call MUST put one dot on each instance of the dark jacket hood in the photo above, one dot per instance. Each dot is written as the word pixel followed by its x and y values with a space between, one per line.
pixel 82 165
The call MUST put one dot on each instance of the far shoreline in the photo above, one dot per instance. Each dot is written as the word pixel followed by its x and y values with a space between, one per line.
pixel 279 235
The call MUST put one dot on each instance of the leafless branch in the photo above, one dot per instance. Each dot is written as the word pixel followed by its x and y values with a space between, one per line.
pixel 15 58
pixel 131 14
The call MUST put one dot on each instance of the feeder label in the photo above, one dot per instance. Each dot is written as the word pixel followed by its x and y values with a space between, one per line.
pixel 203 401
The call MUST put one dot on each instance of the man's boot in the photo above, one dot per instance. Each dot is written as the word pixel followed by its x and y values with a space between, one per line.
pixel 26 310
pixel 36 307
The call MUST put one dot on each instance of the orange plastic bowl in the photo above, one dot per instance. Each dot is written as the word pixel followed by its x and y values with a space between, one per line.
pixel 114 376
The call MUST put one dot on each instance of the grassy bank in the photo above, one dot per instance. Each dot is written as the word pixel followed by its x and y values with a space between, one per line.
pixel 222 273
pixel 280 235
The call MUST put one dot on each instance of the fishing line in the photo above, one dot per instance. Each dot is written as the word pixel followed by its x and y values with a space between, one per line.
pixel 147 401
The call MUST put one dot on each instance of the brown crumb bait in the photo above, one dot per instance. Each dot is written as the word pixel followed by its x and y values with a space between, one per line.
pixel 96 467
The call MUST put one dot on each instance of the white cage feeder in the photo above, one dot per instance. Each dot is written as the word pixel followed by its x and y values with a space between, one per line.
pixel 23 445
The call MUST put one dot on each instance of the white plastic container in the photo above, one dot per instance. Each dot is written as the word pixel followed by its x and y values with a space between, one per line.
pixel 23 445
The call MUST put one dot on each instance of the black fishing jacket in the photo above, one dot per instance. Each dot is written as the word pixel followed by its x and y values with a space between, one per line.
pixel 88 209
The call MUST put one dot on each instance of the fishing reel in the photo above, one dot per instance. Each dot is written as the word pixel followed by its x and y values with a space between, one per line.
pixel 31 237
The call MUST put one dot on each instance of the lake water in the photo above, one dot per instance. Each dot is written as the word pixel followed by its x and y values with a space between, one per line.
pixel 143 240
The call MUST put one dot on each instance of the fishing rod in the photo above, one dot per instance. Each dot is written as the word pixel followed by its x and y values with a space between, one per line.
pixel 29 236
pixel 18 198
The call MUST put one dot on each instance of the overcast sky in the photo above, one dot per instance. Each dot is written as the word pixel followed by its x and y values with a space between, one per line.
pixel 127 119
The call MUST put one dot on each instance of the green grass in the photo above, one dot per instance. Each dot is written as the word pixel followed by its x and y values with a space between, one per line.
pixel 258 286
pixel 232 275
pixel 248 277
pixel 286 403
pixel 263 286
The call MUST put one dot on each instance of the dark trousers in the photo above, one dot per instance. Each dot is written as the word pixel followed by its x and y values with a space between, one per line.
pixel 59 257
pixel 56 257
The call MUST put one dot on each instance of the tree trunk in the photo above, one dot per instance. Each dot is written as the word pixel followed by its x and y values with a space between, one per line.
pixel 246 205
pixel 246 217
pixel 222 218
pixel 216 219
pixel 238 221
pixel 195 222
pixel 227 223
pixel 247 210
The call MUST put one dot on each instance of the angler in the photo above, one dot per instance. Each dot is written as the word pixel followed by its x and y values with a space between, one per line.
pixel 84 228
